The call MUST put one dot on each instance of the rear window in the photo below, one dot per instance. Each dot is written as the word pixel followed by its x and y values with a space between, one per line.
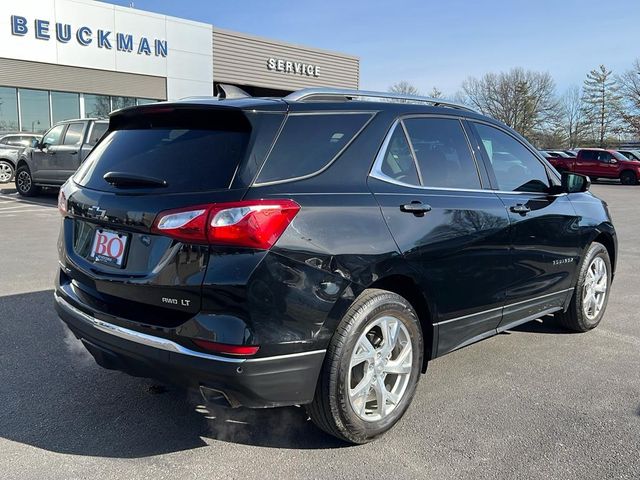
pixel 188 160
pixel 308 143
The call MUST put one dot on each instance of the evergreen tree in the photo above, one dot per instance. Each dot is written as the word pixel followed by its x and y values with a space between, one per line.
pixel 602 104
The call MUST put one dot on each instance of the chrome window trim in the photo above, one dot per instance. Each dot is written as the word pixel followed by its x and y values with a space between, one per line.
pixel 411 150
pixel 163 343
pixel 376 170
pixel 566 290
pixel 371 114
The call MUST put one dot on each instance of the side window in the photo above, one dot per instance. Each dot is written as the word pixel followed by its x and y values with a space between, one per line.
pixel 442 153
pixel 398 163
pixel 15 141
pixel 97 132
pixel 74 134
pixel 4 141
pixel 53 136
pixel 605 157
pixel 308 143
pixel 515 167
pixel 589 155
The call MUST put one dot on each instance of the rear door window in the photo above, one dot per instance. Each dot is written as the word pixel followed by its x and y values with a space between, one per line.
pixel 15 141
pixel 442 152
pixel 73 135
pixel 310 142
pixel 97 131
pixel 188 160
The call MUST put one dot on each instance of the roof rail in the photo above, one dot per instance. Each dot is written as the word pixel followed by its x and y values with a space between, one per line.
pixel 337 94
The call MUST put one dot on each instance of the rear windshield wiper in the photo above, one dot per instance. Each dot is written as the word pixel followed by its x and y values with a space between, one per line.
pixel 120 179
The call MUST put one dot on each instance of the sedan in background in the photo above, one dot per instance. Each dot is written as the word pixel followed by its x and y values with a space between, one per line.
pixel 10 147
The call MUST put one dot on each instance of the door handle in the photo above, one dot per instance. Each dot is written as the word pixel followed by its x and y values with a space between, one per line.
pixel 520 208
pixel 415 207
pixel 73 153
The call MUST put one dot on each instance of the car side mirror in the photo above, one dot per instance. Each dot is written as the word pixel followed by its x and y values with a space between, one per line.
pixel 575 183
pixel 613 161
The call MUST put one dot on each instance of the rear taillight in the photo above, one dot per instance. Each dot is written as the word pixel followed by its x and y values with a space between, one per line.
pixel 62 203
pixel 252 223
pixel 227 348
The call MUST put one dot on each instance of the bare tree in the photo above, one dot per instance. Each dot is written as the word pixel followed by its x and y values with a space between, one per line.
pixel 572 116
pixel 603 104
pixel 523 99
pixel 436 93
pixel 404 87
pixel 630 89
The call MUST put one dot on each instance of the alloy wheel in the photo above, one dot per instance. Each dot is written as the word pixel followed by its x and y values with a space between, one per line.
pixel 24 181
pixel 380 368
pixel 594 291
pixel 6 172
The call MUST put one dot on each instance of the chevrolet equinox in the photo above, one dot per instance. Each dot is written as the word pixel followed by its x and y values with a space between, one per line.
pixel 320 249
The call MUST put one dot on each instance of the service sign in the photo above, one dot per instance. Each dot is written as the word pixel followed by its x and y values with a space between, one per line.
pixel 292 67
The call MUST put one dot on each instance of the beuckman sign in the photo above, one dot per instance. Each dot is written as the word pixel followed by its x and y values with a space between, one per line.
pixel 64 33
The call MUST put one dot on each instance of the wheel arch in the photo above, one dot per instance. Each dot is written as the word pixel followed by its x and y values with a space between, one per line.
pixel 406 287
pixel 628 170
pixel 606 239
pixel 22 162
pixel 12 162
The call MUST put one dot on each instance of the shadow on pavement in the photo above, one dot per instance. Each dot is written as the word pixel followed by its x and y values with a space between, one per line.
pixel 55 397
pixel 47 198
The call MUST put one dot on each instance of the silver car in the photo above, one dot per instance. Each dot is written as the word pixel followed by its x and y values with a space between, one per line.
pixel 10 147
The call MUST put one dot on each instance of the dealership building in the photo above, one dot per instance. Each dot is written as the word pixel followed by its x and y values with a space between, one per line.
pixel 62 59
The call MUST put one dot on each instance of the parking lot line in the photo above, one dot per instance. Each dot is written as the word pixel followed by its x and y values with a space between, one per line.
pixel 4 213
pixel 18 207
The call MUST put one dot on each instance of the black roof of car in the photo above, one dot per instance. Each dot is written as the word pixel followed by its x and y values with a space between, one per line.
pixel 320 99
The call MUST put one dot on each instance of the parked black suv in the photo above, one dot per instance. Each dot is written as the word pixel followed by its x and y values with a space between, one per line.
pixel 319 249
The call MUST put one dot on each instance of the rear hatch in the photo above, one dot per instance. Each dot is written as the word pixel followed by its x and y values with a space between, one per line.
pixel 155 160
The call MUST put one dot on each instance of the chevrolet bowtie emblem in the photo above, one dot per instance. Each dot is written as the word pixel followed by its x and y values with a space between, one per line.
pixel 95 212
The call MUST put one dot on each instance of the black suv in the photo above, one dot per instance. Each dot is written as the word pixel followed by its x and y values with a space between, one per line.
pixel 319 249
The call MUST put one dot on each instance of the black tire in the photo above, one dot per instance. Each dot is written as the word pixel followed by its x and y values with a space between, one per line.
pixel 628 178
pixel 575 318
pixel 24 182
pixel 331 409
pixel 6 170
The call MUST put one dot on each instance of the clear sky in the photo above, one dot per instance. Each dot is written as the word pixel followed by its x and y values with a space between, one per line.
pixel 438 42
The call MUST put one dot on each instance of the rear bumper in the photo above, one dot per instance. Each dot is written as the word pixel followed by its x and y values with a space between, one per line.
pixel 250 382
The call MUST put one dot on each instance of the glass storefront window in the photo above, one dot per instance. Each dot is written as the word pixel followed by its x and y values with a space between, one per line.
pixel 8 109
pixel 145 101
pixel 34 109
pixel 121 102
pixel 64 106
pixel 96 105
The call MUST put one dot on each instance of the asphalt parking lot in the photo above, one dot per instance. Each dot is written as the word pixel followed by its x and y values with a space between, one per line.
pixel 535 402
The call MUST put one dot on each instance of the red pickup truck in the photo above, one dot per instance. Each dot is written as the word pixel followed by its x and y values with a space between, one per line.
pixel 600 163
